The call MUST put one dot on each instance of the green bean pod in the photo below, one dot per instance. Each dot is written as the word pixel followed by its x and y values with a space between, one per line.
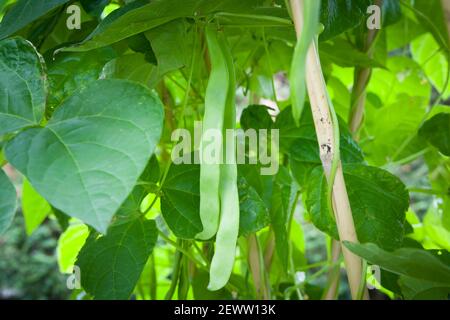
pixel 298 66
pixel 227 234
pixel 215 101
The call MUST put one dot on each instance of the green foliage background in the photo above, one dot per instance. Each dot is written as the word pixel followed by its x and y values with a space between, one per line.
pixel 86 117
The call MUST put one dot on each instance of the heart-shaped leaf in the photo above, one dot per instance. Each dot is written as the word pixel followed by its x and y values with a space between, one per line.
pixel 378 199
pixel 22 85
pixel 111 265
pixel 87 159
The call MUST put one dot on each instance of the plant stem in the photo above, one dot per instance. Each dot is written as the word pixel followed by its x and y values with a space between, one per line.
pixel 257 267
pixel 175 274
pixel 362 78
pixel 332 287
pixel 291 258
pixel 153 278
pixel 320 107
pixel 182 250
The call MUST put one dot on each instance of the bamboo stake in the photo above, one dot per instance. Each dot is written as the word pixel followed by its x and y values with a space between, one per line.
pixel 446 7
pixel 359 93
pixel 319 100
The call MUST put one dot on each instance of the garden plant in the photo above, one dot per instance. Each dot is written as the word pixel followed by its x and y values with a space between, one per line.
pixel 230 149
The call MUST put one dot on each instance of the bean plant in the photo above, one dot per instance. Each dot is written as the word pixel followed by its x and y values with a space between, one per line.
pixel 231 149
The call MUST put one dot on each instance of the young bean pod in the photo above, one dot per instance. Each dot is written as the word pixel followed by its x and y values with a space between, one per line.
pixel 298 66
pixel 227 234
pixel 215 101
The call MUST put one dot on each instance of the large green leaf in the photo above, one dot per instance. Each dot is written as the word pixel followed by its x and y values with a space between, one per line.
pixel 140 16
pixel 25 12
pixel 35 208
pixel 437 132
pixel 68 71
pixel 180 200
pixel 22 79
pixel 87 159
pixel 378 200
pixel 404 94
pixel 110 265
pixel 7 202
pixel 411 262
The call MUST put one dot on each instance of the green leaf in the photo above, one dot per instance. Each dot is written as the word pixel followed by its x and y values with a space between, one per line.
pixel 199 287
pixel 405 94
pixel 378 200
pixel 391 12
pixel 338 16
pixel 68 72
pixel 25 12
pixel 431 14
pixel 411 262
pixel 169 44
pixel 256 117
pixel 437 132
pixel 69 245
pixel 110 265
pixel 414 289
pixel 94 7
pixel 7 202
pixel 132 67
pixel 342 53
pixel 279 212
pixel 403 32
pixel 426 51
pixel 35 208
pixel 435 233
pixel 253 212
pixel 140 16
pixel 23 83
pixel 94 148
pixel 147 180
pixel 180 200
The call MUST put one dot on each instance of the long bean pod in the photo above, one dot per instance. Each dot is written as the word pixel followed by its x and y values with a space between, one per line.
pixel 227 234
pixel 298 66
pixel 215 101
